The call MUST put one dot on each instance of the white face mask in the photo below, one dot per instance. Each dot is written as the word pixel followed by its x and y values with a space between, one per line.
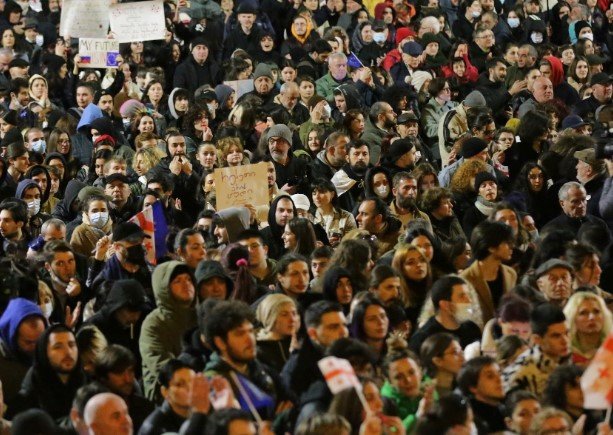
pixel 212 110
pixel 40 39
pixel 476 14
pixel 536 37
pixel 99 220
pixel 534 235
pixel 589 36
pixel 39 146
pixel 47 309
pixel 382 191
pixel 378 37
pixel 513 22
pixel 33 207
pixel 463 312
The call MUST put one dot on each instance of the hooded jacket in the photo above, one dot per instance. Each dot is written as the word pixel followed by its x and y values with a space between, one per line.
pixel 235 220
pixel 14 364
pixel 161 332
pixel 42 387
pixel 210 269
pixel 34 222
pixel 272 233
pixel 171 103
pixel 126 293
pixel 63 209
pixel 331 280
pixel 561 89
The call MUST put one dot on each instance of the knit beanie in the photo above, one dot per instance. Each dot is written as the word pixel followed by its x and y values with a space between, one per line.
pixel 262 70
pixel 482 177
pixel 130 107
pixel 472 147
pixel 475 99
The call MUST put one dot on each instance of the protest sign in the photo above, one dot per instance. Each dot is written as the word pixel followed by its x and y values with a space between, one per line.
pixel 98 53
pixel 247 184
pixel 138 21
pixel 85 19
pixel 240 86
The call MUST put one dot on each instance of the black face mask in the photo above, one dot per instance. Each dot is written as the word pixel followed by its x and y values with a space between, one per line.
pixel 136 254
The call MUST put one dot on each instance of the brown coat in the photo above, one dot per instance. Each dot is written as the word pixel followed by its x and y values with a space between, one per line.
pixel 473 275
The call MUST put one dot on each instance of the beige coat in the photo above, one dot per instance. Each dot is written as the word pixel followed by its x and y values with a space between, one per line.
pixel 473 275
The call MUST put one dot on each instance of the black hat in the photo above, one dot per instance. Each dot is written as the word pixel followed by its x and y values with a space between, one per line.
pixel 116 177
pixel 427 38
pixel 600 79
pixel 199 40
pixel 246 8
pixel 482 177
pixel 128 231
pixel 18 63
pixel 594 59
pixel 472 147
pixel 399 148
pixel 11 117
pixel 405 117
pixel 212 269
pixel 205 93
pixel 30 23
pixel 16 149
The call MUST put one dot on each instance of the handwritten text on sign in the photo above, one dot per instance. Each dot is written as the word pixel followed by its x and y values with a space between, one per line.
pixel 85 19
pixel 138 21
pixel 98 53
pixel 241 185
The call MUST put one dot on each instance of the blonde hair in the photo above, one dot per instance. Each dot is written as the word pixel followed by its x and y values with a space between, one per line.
pixel 268 311
pixel 536 426
pixel 397 264
pixel 151 157
pixel 225 145
pixel 572 308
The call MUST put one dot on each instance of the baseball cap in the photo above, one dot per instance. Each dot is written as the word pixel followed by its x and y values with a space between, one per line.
pixel 405 117
pixel 600 79
pixel 587 155
pixel 116 177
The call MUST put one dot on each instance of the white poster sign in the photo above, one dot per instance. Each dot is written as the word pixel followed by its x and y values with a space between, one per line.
pixel 85 18
pixel 98 53
pixel 139 21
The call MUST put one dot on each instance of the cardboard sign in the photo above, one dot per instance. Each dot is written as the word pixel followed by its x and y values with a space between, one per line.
pixel 139 21
pixel 241 185
pixel 85 18
pixel 98 53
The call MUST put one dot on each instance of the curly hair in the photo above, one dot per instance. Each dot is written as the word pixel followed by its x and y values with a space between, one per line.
pixel 225 147
pixel 464 178
pixel 151 157
pixel 432 198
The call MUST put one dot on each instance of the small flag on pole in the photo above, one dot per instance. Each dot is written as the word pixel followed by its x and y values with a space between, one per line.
pixel 597 380
pixel 153 223
pixel 353 61
pixel 339 374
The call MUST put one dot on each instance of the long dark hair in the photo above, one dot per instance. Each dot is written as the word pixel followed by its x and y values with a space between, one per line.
pixel 305 235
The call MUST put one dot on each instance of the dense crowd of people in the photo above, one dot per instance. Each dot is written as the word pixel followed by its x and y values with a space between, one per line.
pixel 439 214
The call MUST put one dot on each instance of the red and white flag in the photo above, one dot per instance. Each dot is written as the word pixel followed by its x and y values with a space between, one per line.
pixel 597 380
pixel 153 223
pixel 339 374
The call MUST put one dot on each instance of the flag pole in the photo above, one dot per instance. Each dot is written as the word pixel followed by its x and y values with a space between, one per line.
pixel 243 393
pixel 607 417
pixel 358 390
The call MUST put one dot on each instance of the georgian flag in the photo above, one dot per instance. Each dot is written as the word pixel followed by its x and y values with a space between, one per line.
pixel 339 374
pixel 153 223
pixel 597 380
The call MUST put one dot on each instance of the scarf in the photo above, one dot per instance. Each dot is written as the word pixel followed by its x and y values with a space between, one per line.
pixel 484 206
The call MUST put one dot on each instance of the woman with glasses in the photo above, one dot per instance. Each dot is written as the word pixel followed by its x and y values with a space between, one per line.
pixel 442 358
pixel 59 142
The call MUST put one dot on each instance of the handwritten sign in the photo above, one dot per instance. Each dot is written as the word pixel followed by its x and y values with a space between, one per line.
pixel 139 21
pixel 247 184
pixel 240 86
pixel 98 53
pixel 85 18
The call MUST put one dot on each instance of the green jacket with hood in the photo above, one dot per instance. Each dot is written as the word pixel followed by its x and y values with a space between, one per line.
pixel 161 333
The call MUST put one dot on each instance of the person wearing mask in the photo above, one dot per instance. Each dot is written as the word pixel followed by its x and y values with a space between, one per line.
pixel 21 324
pixel 97 223
pixel 30 192
pixel 453 313
pixel 55 375
pixel 127 262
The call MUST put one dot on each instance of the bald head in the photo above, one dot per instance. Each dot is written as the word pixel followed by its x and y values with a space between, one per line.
pixel 542 90
pixel 107 414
